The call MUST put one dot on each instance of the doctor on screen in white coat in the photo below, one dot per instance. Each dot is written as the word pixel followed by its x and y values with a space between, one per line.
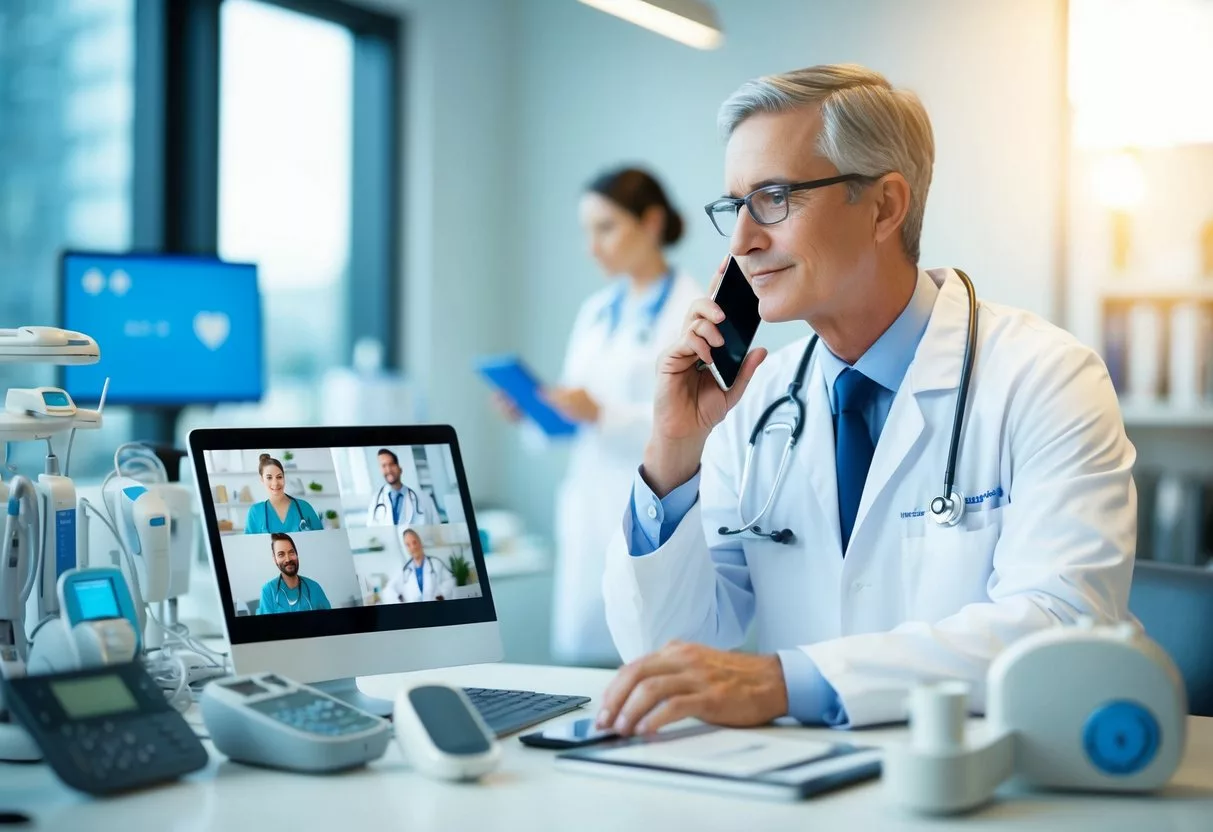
pixel 394 503
pixel 423 578
pixel 607 386
pixel 867 595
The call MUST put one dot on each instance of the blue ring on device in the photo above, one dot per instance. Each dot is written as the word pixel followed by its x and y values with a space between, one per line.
pixel 1121 738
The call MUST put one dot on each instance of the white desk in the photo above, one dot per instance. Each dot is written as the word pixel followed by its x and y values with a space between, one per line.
pixel 527 792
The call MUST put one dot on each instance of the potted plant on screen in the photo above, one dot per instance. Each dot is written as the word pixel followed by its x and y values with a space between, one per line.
pixel 461 570
pixel 331 520
pixel 315 487
pixel 288 459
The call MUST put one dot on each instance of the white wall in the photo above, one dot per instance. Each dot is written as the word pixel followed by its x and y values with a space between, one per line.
pixel 594 91
pixel 458 171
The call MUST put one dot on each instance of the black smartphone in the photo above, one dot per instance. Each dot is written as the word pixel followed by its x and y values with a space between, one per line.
pixel 740 306
pixel 567 735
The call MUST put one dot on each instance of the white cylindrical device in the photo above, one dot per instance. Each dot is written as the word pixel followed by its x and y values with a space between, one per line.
pixel 937 716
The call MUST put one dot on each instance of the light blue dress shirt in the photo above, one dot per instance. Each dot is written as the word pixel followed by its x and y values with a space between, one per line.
pixel 811 699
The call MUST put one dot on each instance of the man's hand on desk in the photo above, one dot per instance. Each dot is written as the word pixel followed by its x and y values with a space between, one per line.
pixel 689 680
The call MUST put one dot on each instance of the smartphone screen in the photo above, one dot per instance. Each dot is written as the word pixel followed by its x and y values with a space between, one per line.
pixel 578 731
pixel 740 306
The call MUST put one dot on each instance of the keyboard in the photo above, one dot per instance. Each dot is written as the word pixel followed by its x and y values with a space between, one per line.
pixel 507 711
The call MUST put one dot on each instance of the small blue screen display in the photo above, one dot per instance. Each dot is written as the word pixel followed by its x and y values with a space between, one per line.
pixel 96 599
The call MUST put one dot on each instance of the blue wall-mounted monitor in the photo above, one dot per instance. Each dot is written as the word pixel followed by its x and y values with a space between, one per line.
pixel 173 329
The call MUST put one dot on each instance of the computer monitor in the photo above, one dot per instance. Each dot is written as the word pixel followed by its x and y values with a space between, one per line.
pixel 173 329
pixel 344 552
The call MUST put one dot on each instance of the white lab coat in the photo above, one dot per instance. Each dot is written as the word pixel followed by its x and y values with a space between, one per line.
pixel 619 371
pixel 418 508
pixel 436 580
pixel 911 601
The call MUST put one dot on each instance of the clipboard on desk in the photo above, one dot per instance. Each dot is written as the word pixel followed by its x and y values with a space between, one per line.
pixel 509 375
pixel 753 763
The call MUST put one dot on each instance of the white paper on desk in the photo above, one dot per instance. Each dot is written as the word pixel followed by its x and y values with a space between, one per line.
pixel 727 753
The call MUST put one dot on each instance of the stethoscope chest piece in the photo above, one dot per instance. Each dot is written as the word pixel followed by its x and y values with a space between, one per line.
pixel 947 511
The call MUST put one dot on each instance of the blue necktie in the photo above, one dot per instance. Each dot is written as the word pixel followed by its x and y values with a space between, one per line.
pixel 853 448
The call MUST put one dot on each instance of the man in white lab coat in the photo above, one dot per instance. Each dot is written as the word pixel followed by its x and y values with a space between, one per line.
pixel 394 503
pixel 856 592
pixel 423 578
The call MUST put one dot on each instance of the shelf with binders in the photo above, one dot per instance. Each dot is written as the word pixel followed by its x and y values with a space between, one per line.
pixel 1158 347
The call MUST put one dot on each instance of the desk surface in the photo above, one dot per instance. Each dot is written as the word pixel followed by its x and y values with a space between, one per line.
pixel 527 792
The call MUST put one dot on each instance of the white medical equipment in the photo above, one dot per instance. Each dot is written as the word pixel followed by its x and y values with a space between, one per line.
pixel 52 402
pixel 142 518
pixel 47 344
pixel 96 626
pixel 40 412
pixel 442 734
pixel 1077 708
pixel 266 720
pixel 945 509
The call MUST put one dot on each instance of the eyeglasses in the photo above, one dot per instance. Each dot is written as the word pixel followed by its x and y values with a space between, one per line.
pixel 768 205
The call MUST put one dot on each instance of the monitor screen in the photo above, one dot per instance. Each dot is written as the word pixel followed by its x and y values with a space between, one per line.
pixel 96 599
pixel 333 539
pixel 173 329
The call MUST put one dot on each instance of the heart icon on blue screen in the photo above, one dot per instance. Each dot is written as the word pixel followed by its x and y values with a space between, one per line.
pixel 212 329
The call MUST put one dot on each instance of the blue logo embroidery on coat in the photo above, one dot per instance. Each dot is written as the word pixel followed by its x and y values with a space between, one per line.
pixel 992 497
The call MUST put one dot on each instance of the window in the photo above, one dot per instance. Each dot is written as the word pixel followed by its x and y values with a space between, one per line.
pixel 285 180
pixel 67 97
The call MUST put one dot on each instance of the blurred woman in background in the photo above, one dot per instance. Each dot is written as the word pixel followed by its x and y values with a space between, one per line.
pixel 607 388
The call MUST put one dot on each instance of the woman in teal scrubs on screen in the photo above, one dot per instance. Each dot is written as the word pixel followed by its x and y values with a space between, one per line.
pixel 281 512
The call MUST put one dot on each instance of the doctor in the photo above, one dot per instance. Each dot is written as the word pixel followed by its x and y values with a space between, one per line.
pixel 867 595
pixel 395 504
pixel 279 512
pixel 607 387
pixel 422 579
pixel 290 591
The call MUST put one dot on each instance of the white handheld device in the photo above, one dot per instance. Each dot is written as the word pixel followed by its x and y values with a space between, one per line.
pixel 443 735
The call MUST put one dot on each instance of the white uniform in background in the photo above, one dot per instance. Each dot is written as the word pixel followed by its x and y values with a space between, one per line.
pixel 1049 531
pixel 436 579
pixel 615 359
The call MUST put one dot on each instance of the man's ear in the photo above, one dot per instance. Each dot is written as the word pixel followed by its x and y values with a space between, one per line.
pixel 892 205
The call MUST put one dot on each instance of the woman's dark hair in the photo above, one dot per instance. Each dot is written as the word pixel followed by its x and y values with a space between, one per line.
pixel 635 191
pixel 267 461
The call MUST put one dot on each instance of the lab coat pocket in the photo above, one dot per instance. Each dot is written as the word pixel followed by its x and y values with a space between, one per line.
pixel 946 567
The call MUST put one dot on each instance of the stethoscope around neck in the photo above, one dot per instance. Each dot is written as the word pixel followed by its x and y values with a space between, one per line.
pixel 304 525
pixel 381 505
pixel 945 509
pixel 303 587
pixel 613 311
pixel 409 568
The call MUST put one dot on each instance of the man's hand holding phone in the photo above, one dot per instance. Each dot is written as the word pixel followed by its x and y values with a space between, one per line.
pixel 690 401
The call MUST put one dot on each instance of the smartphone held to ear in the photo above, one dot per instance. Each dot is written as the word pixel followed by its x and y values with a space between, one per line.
pixel 740 306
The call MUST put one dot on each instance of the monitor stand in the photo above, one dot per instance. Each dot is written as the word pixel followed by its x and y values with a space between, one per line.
pixel 347 691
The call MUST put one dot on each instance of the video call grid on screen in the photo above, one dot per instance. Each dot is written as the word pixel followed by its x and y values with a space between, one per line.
pixel 310 529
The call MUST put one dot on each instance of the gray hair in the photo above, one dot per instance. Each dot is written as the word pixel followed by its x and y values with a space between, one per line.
pixel 867 127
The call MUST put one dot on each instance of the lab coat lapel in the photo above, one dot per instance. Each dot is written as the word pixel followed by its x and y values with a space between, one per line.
pixel 819 455
pixel 936 366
